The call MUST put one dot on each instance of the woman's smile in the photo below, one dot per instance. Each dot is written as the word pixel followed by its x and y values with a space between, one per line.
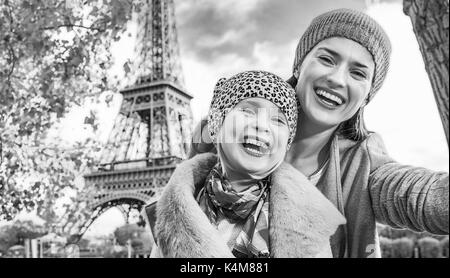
pixel 329 98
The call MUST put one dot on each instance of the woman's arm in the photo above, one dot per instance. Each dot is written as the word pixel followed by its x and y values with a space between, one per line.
pixel 405 196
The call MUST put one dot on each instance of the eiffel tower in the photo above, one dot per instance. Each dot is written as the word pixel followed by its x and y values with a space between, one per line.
pixel 154 125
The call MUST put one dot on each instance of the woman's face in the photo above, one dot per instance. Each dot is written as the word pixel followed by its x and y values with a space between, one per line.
pixel 254 136
pixel 335 79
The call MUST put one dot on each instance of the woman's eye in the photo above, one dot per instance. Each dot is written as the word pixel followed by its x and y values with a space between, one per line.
pixel 359 74
pixel 326 59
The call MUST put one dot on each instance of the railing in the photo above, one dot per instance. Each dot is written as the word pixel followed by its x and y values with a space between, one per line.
pixel 147 162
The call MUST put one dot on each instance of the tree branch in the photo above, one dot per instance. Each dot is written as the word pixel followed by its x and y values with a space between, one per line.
pixel 14 57
pixel 92 28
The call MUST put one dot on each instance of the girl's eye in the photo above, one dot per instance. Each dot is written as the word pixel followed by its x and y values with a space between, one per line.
pixel 280 120
pixel 326 59
pixel 248 111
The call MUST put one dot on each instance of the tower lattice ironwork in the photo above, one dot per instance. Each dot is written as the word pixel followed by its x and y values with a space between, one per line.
pixel 152 130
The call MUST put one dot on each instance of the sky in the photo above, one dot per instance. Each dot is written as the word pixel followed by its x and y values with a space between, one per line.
pixel 221 38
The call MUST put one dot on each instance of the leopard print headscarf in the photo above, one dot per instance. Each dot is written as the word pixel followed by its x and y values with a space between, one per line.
pixel 250 84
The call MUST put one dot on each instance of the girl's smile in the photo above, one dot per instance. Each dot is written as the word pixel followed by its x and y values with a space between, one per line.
pixel 256 146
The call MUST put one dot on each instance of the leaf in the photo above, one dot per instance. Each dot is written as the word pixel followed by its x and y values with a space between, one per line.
pixel 94 11
pixel 57 67
pixel 126 67
pixel 90 119
pixel 108 99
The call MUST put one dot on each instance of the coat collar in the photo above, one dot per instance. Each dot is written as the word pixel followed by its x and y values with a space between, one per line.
pixel 331 186
pixel 301 218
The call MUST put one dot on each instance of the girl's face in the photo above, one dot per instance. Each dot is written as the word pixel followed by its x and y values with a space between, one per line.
pixel 335 79
pixel 254 136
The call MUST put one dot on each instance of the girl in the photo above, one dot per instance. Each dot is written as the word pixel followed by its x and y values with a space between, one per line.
pixel 245 202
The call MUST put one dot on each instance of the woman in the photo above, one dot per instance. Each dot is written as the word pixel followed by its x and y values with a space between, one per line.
pixel 245 202
pixel 341 62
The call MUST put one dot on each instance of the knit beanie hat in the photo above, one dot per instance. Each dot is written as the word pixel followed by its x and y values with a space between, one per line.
pixel 250 84
pixel 353 25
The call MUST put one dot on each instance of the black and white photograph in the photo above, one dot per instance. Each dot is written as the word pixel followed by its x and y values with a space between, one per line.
pixel 248 129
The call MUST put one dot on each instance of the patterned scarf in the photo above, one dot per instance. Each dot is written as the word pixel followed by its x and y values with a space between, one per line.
pixel 246 211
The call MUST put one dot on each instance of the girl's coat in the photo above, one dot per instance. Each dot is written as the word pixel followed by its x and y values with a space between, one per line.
pixel 301 219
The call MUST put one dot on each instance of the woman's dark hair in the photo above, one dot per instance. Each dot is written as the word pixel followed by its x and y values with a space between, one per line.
pixel 354 128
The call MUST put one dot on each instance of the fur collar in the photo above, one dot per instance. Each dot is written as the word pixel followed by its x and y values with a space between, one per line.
pixel 301 218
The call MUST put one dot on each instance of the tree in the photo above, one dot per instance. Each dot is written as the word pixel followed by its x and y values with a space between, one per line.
pixel 140 237
pixel 403 248
pixel 429 248
pixel 386 247
pixel 53 55
pixel 16 233
pixel 127 232
pixel 430 20
pixel 444 247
